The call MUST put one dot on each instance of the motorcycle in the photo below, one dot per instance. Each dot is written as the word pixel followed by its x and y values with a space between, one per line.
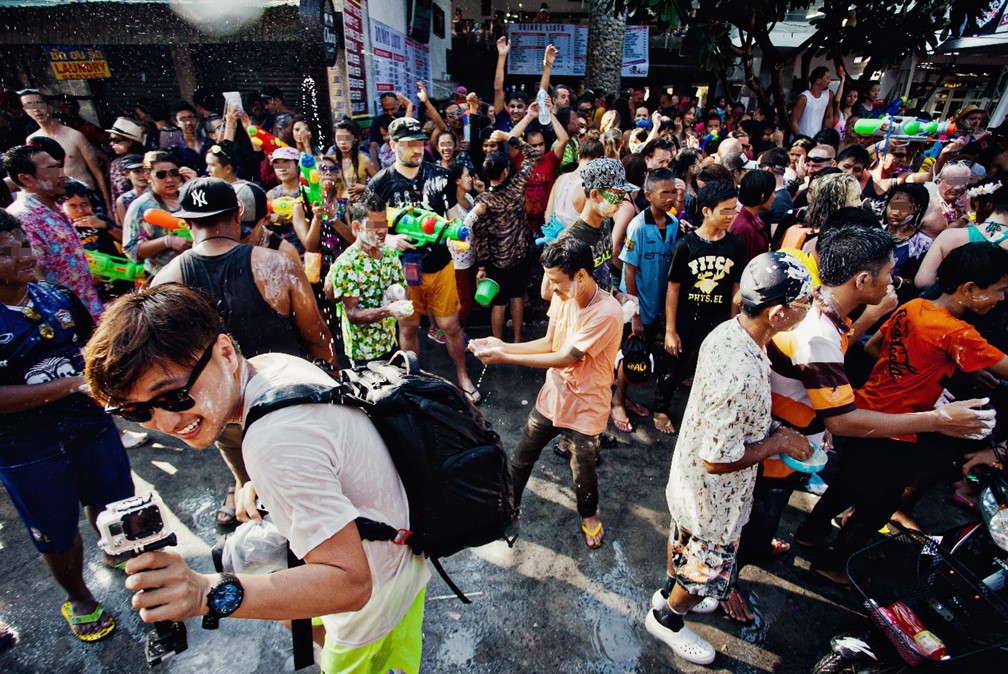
pixel 933 600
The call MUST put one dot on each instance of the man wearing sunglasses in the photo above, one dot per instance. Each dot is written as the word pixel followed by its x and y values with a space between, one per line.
pixel 264 297
pixel 162 355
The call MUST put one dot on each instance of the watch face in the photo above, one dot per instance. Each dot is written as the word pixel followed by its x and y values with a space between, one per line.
pixel 227 597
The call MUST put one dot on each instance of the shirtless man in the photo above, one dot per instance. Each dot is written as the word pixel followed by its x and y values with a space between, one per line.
pixel 81 161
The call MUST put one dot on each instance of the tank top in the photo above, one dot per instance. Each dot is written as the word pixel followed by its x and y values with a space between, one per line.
pixel 563 202
pixel 977 236
pixel 811 119
pixel 228 280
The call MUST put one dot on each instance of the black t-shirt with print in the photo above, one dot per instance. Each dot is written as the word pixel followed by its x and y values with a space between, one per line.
pixel 706 272
pixel 600 240
pixel 429 191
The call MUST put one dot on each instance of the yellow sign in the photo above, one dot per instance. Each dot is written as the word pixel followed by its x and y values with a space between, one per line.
pixel 77 63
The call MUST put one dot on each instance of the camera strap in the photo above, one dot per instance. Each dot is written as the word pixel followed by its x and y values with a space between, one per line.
pixel 301 629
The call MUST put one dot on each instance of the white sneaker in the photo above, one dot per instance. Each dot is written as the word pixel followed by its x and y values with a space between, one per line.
pixel 131 439
pixel 686 643
pixel 707 605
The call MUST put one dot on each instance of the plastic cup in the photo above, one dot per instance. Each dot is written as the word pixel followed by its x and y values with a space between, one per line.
pixel 486 290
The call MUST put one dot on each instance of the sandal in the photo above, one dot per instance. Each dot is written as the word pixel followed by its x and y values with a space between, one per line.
pixel 473 396
pixel 225 515
pixel 624 424
pixel 594 538
pixel 636 408
pixel 93 618
pixel 663 424
pixel 779 547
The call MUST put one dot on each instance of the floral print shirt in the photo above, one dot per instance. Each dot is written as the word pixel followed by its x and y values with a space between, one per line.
pixel 728 408
pixel 58 249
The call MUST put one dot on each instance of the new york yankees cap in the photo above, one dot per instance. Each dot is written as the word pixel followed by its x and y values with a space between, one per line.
pixel 204 197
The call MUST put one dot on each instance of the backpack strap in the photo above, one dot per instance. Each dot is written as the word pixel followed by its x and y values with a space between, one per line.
pixel 301 629
pixel 297 394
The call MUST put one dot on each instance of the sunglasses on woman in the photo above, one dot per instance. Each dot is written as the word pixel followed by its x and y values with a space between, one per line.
pixel 164 173
pixel 175 400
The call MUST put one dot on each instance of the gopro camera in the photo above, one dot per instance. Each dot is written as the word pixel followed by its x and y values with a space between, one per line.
pixel 135 525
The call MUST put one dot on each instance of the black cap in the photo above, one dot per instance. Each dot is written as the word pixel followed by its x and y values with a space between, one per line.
pixel 132 161
pixel 203 197
pixel 774 278
pixel 406 128
pixel 635 361
pixel 253 201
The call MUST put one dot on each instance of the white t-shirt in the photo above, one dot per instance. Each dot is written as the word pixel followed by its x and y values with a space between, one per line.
pixel 319 467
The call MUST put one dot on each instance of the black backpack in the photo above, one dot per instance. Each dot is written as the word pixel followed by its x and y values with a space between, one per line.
pixel 450 460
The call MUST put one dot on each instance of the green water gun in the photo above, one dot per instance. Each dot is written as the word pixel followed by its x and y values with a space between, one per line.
pixel 310 183
pixel 106 268
pixel 427 226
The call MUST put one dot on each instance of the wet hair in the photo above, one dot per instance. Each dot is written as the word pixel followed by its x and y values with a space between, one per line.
pixel 850 216
pixel 982 263
pixel 859 153
pixel 612 141
pixel 370 203
pixel 659 175
pixel 657 144
pixel 827 195
pixel 610 120
pixel 919 197
pixel 32 92
pixel 756 187
pixel 167 326
pixel 715 192
pixel 494 165
pixel 591 147
pixel 829 137
pixel 569 255
pixel 683 161
pixel 9 223
pixel 714 172
pixel 21 160
pixel 47 144
pixel 848 250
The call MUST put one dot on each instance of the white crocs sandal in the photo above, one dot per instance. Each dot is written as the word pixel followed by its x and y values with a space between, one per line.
pixel 686 643
pixel 707 605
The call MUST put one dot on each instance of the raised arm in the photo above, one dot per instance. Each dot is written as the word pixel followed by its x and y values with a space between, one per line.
pixel 503 47
pixel 548 59
pixel 432 112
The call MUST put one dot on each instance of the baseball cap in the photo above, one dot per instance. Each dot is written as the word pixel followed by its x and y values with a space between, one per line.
pixel 132 161
pixel 127 128
pixel 253 201
pixel 736 161
pixel 406 128
pixel 635 361
pixel 204 197
pixel 285 153
pixel 774 278
pixel 605 173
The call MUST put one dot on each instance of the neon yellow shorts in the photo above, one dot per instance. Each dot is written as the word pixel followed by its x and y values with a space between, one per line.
pixel 399 649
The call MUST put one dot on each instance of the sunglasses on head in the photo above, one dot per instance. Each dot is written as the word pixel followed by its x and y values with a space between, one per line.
pixel 175 400
pixel 164 173
pixel 818 160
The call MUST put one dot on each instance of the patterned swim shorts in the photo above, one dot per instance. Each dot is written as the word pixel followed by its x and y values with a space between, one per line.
pixel 702 568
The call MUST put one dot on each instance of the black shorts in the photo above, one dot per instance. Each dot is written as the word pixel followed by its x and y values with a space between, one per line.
pixel 513 282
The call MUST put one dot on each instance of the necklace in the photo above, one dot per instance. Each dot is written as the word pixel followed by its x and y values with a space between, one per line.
pixel 992 227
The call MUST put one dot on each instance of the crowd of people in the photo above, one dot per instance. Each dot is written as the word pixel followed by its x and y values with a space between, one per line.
pixel 803 286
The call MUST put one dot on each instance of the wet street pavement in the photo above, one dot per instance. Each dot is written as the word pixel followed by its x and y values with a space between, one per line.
pixel 546 605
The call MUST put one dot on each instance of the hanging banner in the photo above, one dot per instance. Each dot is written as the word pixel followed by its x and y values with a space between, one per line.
pixel 398 62
pixel 77 63
pixel 635 52
pixel 353 37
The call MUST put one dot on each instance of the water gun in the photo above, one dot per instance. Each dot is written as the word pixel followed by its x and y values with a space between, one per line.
pixel 428 227
pixel 310 183
pixel 711 135
pixel 264 140
pixel 165 220
pixel 284 206
pixel 108 268
pixel 551 230
pixel 892 108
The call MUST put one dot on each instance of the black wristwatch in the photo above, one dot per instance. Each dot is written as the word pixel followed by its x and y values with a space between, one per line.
pixel 222 600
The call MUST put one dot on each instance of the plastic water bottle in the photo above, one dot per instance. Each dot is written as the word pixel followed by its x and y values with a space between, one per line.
pixel 544 113
pixel 465 127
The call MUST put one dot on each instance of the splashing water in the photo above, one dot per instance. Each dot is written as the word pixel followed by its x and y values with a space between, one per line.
pixel 309 103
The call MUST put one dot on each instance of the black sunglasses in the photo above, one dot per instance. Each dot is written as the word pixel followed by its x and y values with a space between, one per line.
pixel 818 160
pixel 175 400
pixel 164 173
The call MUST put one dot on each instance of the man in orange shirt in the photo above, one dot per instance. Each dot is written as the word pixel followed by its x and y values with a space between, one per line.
pixel 579 353
pixel 922 343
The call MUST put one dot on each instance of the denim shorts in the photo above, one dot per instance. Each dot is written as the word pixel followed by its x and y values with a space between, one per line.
pixel 87 466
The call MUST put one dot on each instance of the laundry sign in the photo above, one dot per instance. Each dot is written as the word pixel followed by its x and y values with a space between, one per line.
pixel 77 63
